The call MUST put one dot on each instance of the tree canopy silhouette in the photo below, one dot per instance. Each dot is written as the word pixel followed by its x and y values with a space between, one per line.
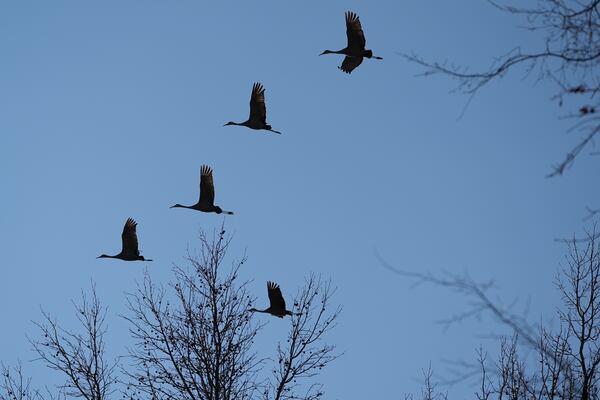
pixel 193 338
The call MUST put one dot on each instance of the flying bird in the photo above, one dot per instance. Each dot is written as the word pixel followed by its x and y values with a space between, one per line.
pixel 355 50
pixel 277 303
pixel 206 202
pixel 258 111
pixel 129 250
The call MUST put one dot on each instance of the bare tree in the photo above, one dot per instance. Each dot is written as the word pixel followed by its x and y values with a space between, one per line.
pixel 194 338
pixel 15 386
pixel 305 353
pixel 199 347
pixel 580 289
pixel 429 388
pixel 80 357
pixel 566 358
pixel 570 58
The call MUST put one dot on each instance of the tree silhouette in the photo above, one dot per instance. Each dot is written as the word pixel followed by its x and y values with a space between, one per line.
pixel 80 357
pixel 570 58
pixel 192 339
pixel 198 344
pixel 567 357
pixel 15 386
pixel 305 353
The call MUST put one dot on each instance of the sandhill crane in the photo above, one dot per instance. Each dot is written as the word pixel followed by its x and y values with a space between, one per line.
pixel 129 250
pixel 206 202
pixel 258 111
pixel 355 50
pixel 277 303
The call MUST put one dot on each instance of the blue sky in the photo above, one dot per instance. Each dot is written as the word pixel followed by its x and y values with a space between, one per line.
pixel 108 110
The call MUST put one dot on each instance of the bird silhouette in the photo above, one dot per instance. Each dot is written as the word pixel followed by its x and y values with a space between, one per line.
pixel 129 250
pixel 206 202
pixel 258 111
pixel 277 303
pixel 355 50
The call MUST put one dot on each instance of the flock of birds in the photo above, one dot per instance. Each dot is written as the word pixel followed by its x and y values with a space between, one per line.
pixel 355 52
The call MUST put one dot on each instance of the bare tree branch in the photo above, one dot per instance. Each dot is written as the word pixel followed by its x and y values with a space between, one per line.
pixel 15 386
pixel 199 345
pixel 571 54
pixel 305 353
pixel 81 357
pixel 567 357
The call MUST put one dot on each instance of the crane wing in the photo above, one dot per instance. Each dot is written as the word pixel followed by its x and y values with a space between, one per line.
pixel 275 297
pixel 258 110
pixel 354 32
pixel 207 188
pixel 350 63
pixel 129 238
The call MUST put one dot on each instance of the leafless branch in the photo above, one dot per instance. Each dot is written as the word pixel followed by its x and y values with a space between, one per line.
pixel 15 386
pixel 571 53
pixel 81 357
pixel 199 344
pixel 567 356
pixel 305 353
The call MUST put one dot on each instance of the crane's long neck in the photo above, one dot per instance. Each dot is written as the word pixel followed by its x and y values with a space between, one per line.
pixel 342 51
pixel 236 123
pixel 107 256
pixel 180 206
pixel 257 310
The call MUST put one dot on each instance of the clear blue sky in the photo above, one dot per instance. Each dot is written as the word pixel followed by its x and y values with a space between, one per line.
pixel 108 110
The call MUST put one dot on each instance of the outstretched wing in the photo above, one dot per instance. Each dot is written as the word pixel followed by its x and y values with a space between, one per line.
pixel 207 188
pixel 129 238
pixel 354 32
pixel 275 297
pixel 258 110
pixel 350 63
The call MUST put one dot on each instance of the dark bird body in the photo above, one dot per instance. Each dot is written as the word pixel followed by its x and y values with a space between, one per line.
pixel 277 303
pixel 258 111
pixel 129 250
pixel 355 50
pixel 206 202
